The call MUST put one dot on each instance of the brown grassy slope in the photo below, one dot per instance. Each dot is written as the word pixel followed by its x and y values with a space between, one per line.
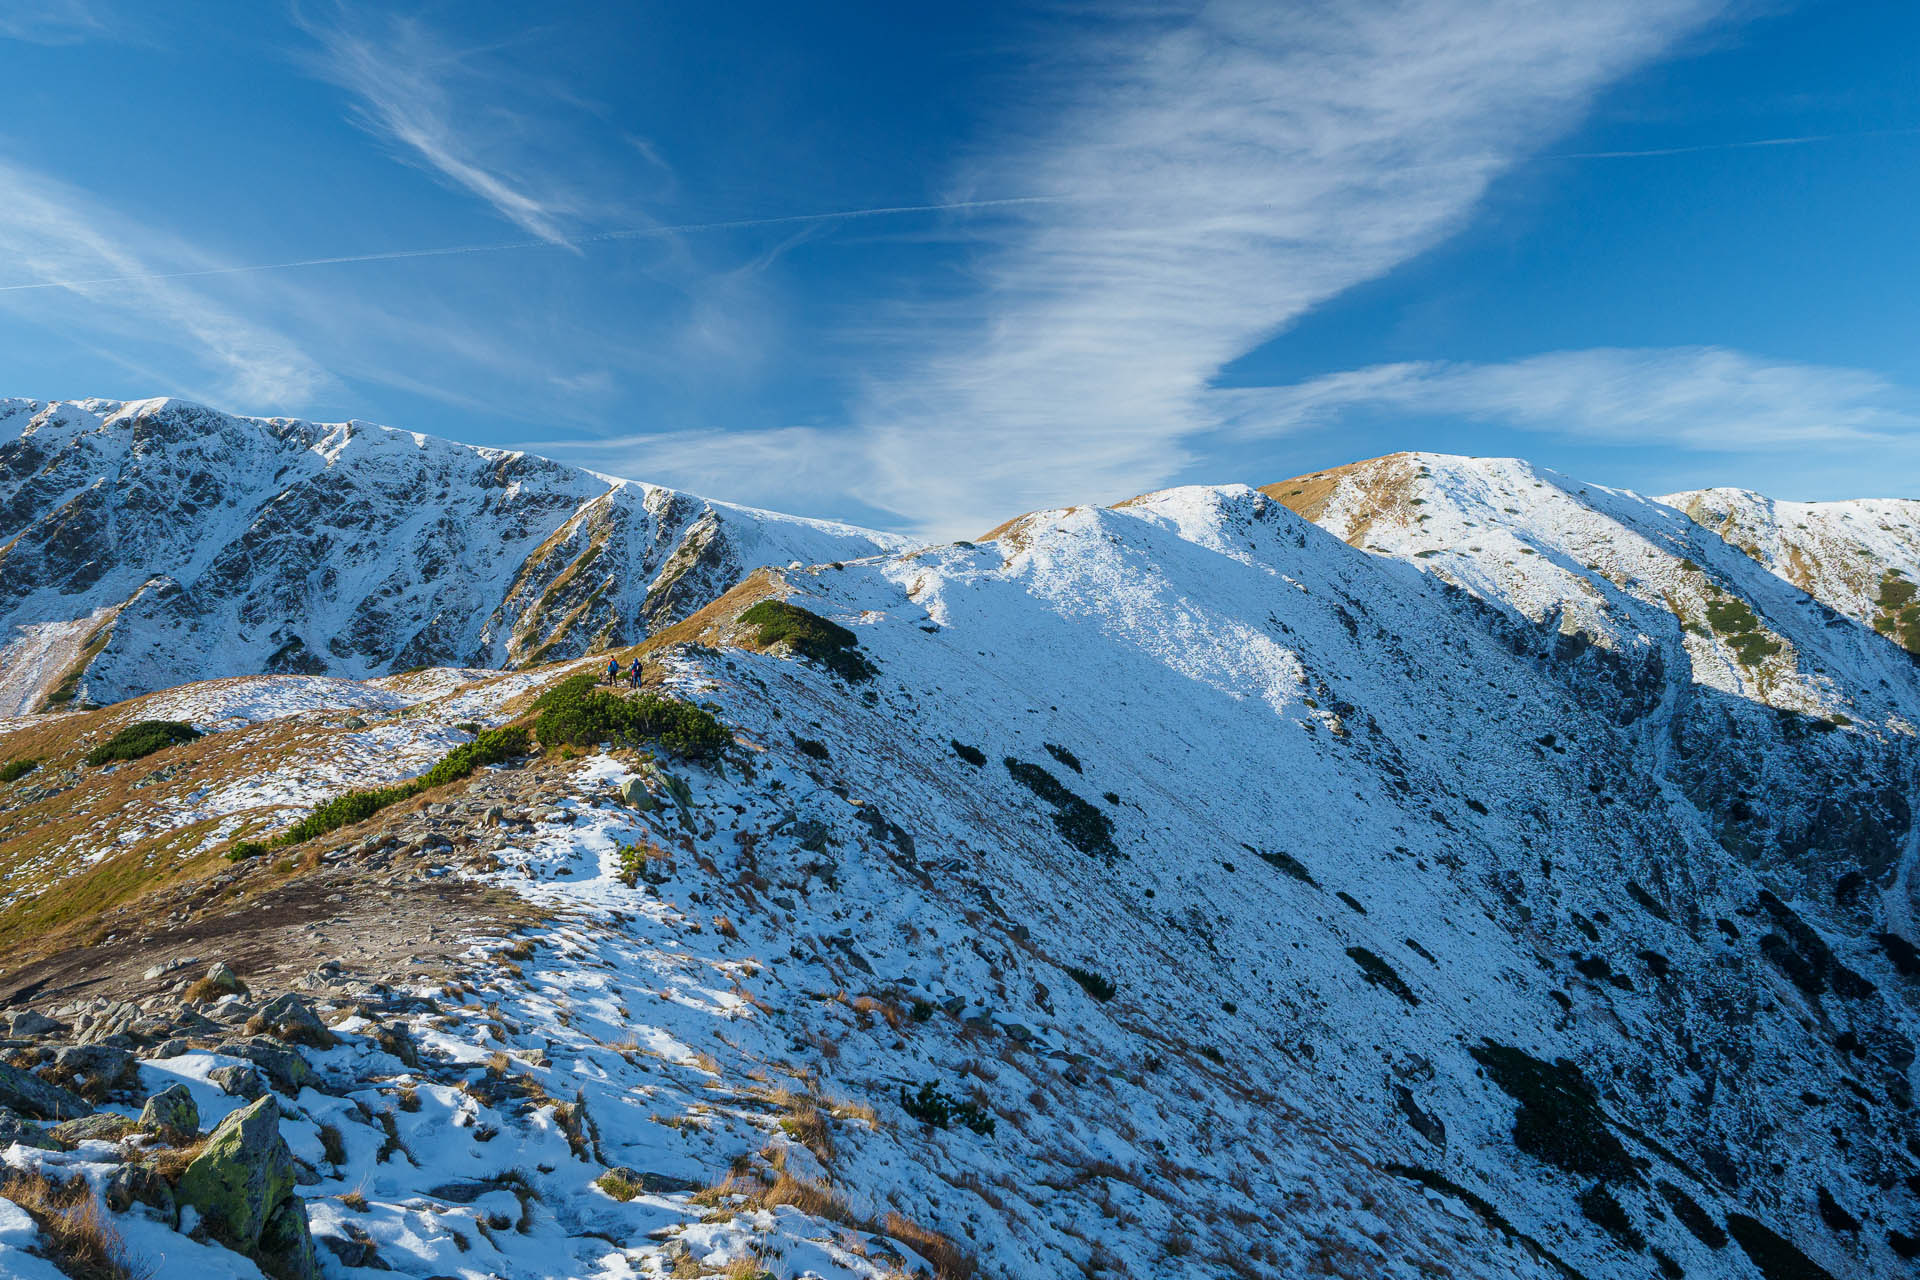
pixel 1384 484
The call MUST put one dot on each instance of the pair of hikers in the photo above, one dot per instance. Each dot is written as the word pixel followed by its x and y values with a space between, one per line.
pixel 633 672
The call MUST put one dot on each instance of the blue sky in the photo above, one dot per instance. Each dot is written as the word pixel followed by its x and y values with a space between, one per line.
pixel 1076 251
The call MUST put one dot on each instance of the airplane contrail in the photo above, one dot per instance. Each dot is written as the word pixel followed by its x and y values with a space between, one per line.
pixel 1749 144
pixel 631 233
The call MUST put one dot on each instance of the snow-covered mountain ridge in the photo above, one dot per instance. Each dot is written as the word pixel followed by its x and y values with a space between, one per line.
pixel 1521 891
pixel 150 543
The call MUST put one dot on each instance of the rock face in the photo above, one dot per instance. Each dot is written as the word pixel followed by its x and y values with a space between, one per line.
pixel 242 1184
pixel 158 541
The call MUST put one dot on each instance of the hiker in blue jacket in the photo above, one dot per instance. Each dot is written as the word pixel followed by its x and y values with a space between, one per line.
pixel 633 672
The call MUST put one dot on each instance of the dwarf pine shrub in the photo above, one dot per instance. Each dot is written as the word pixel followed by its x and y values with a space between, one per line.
pixel 1079 823
pixel 940 1109
pixel 14 770
pixel 818 640
pixel 1101 988
pixel 142 738
pixel 577 712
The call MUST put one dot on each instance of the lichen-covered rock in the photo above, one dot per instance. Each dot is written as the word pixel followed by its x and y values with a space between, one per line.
pixel 102 1126
pixel 285 1250
pixel 28 1094
pixel 25 1132
pixel 223 978
pixel 634 792
pixel 171 1112
pixel 242 1177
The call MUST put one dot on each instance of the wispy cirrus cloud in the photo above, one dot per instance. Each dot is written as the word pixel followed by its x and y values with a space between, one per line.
pixel 1232 165
pixel 50 230
pixel 441 106
pixel 54 22
pixel 1707 398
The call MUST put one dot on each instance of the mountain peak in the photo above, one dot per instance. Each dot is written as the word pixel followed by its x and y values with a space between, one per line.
pixel 151 541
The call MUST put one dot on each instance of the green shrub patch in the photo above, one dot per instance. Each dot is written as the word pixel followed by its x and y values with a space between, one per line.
pixel 1776 1257
pixel 1079 823
pixel 1381 974
pixel 577 712
pixel 14 770
pixel 491 747
pixel 142 738
pixel 931 1106
pixel 1101 988
pixel 819 641
pixel 1559 1120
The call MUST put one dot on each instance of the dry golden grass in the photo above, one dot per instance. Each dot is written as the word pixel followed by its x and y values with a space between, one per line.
pixel 173 1161
pixel 78 1230
pixel 949 1260
pixel 808 1197
pixel 1385 481
pixel 806 1123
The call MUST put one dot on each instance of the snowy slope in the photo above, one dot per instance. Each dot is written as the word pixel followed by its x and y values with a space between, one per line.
pixel 1859 557
pixel 146 544
pixel 1467 913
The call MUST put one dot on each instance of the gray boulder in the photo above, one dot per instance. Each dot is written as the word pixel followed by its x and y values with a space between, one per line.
pixel 292 1018
pixel 239 1080
pixel 25 1022
pixel 25 1132
pixel 242 1184
pixel 285 1069
pixel 95 1070
pixel 171 1112
pixel 132 1183
pixel 28 1094
pixel 101 1126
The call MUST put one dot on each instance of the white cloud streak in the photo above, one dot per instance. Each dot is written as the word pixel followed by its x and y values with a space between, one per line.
pixel 1706 398
pixel 49 230
pixel 53 22
pixel 407 81
pixel 1234 164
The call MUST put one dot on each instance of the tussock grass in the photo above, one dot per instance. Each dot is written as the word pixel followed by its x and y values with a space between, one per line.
pixel 78 1230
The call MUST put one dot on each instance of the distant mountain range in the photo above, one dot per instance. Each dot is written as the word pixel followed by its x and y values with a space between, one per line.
pixel 150 543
